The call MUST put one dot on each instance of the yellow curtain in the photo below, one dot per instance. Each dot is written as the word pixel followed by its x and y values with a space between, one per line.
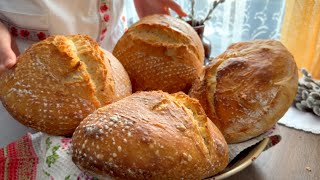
pixel 301 33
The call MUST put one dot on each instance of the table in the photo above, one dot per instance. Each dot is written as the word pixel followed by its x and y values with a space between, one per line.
pixel 289 159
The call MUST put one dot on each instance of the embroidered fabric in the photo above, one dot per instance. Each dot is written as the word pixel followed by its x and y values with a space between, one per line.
pixel 104 10
pixel 24 32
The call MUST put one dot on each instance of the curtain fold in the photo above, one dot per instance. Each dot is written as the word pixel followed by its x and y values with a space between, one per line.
pixel 301 33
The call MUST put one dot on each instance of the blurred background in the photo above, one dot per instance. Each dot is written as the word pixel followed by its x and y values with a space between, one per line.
pixel 295 22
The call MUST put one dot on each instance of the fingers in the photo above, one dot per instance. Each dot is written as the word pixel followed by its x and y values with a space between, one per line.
pixel 149 7
pixel 166 11
pixel 7 56
pixel 176 7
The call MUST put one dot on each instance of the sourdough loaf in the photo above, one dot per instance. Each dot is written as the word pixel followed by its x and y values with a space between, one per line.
pixel 161 52
pixel 57 82
pixel 150 135
pixel 248 88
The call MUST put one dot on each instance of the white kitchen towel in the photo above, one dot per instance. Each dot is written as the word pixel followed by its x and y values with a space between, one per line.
pixel 301 120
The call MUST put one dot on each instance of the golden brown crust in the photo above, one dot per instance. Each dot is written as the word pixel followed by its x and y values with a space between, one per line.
pixel 161 52
pixel 252 87
pixel 119 74
pixel 150 135
pixel 56 83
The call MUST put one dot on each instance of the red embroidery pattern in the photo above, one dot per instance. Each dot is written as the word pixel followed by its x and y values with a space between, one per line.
pixel 123 19
pixel 65 143
pixel 105 17
pixel 124 22
pixel 25 33
pixel 275 140
pixel 18 160
pixel 104 30
pixel 103 8
pixel 14 31
pixel 41 36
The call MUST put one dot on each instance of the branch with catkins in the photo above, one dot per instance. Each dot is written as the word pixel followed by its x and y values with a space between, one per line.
pixel 214 5
pixel 208 16
pixel 308 95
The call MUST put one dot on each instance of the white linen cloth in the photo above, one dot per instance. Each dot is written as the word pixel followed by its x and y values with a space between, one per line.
pixel 305 121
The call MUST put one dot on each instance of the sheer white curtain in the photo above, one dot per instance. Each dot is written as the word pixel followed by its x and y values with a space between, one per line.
pixel 233 20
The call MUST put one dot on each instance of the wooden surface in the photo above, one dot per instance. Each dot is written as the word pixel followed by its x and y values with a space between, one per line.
pixel 289 159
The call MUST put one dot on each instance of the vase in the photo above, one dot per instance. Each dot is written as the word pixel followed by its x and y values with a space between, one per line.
pixel 199 28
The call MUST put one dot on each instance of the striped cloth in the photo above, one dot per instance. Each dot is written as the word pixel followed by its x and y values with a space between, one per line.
pixel 19 160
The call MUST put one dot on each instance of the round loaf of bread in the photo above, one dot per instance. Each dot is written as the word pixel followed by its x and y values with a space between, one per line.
pixel 150 135
pixel 57 82
pixel 161 52
pixel 248 88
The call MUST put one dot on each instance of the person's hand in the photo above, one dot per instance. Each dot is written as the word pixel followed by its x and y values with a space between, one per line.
pixel 149 7
pixel 8 49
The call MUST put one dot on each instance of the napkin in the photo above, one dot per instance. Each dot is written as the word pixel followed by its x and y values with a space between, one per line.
pixel 273 134
pixel 301 120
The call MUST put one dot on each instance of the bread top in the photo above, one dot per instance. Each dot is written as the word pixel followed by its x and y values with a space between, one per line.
pixel 150 135
pixel 58 82
pixel 248 88
pixel 161 52
pixel 164 30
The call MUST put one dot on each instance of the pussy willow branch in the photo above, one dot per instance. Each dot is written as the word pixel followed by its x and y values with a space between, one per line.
pixel 192 11
pixel 214 5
